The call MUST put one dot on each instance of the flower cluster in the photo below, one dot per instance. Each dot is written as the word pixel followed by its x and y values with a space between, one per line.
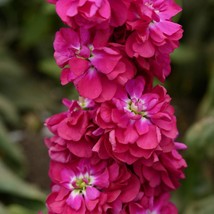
pixel 114 150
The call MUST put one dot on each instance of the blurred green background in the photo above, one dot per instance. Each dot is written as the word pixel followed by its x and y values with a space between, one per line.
pixel 30 92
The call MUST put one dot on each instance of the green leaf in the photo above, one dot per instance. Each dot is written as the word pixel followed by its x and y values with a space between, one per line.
pixel 9 66
pixel 3 2
pixel 50 9
pixel 11 153
pixel 34 28
pixel 179 2
pixel 199 139
pixel 3 209
pixel 49 67
pixel 22 96
pixel 11 184
pixel 184 54
pixel 34 95
pixel 203 206
pixel 17 209
pixel 207 104
pixel 8 110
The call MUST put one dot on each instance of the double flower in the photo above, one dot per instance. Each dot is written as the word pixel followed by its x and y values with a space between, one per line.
pixel 114 149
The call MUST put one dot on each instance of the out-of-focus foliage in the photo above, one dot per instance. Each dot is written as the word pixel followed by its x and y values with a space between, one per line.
pixel 30 91
pixel 192 84
pixel 13 186
pixel 204 206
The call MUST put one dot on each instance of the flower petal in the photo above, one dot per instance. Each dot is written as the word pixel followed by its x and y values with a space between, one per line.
pixel 92 193
pixel 90 86
pixel 74 200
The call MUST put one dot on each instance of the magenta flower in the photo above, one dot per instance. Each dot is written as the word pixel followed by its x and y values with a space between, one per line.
pixel 70 125
pixel 58 150
pixel 161 172
pixel 114 150
pixel 87 13
pixel 63 151
pixel 119 12
pixel 91 186
pixel 149 205
pixel 136 121
pixel 158 65
pixel 69 43
pixel 153 33
pixel 96 71
pixel 72 129
pixel 92 13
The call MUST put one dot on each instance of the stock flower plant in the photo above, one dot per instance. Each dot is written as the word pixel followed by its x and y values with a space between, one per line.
pixel 114 150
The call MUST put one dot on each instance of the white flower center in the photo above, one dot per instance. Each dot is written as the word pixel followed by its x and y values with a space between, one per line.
pixel 80 183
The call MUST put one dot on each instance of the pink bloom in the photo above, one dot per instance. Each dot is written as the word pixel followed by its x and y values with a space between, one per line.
pixel 161 173
pixel 114 150
pixel 92 13
pixel 58 150
pixel 96 71
pixel 119 12
pixel 72 129
pixel 158 65
pixel 87 13
pixel 70 125
pixel 136 121
pixel 69 43
pixel 143 12
pixel 154 32
pixel 91 186
pixel 147 205
pixel 143 45
pixel 63 151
